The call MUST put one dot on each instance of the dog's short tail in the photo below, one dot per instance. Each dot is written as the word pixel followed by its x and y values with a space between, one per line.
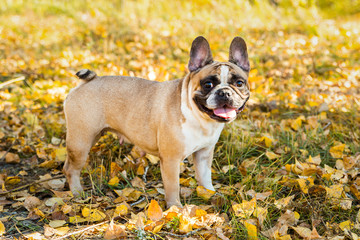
pixel 86 75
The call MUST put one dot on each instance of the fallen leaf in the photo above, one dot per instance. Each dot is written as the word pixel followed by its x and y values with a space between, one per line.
pixel 251 230
pixel 271 155
pixel 204 193
pixel 57 223
pixel 297 123
pixel 153 159
pixel 2 229
pixel 115 231
pixel 121 210
pixel 54 200
pixel 114 181
pixel 305 184
pixel 61 231
pixel 138 182
pixel 283 202
pixel 245 209
pixel 12 158
pixel 303 232
pixel 154 211
pixel 60 154
pixel 337 151
pixel 346 225
pixel 31 202
pixel 57 183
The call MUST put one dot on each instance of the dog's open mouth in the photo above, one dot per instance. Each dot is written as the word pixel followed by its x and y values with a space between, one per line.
pixel 226 112
pixel 223 113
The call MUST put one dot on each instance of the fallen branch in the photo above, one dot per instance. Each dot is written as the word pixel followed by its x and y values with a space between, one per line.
pixel 81 230
pixel 18 79
pixel 138 201
pixel 33 183
pixel 182 236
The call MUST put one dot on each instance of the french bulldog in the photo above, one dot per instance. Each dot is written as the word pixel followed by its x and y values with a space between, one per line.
pixel 171 120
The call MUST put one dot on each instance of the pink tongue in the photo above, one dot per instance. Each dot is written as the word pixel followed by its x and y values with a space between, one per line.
pixel 225 112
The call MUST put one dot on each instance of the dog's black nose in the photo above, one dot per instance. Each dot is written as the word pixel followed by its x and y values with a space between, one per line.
pixel 223 93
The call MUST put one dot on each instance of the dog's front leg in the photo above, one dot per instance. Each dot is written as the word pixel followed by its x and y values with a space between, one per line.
pixel 202 161
pixel 170 170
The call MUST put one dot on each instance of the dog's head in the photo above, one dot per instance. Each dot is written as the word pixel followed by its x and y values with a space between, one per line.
pixel 220 90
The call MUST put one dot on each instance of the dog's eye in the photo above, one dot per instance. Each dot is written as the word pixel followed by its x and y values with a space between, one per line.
pixel 208 85
pixel 239 83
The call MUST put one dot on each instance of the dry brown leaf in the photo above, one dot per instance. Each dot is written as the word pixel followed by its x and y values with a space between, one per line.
pixel 138 182
pixel 32 202
pixel 283 202
pixel 12 158
pixel 115 231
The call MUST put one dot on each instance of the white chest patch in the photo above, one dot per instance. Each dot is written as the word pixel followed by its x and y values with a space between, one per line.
pixel 195 139
pixel 224 72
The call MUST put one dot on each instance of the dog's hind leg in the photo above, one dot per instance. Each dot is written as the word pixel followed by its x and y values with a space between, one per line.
pixel 78 147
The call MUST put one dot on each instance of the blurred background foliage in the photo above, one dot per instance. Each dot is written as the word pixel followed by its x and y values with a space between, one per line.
pixel 56 37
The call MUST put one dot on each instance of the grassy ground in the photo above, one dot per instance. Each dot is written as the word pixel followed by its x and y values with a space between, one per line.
pixel 298 138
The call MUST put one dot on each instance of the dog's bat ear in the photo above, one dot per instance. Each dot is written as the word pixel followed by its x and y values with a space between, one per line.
pixel 200 54
pixel 238 54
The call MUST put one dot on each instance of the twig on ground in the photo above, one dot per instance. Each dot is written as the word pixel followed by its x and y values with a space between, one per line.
pixel 138 201
pixel 81 230
pixel 144 175
pixel 29 184
pixel 18 79
pixel 182 236
pixel 326 126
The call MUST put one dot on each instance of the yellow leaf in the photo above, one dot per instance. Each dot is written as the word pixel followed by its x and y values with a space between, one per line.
pixel 337 151
pixel 39 212
pixel 153 159
pixel 315 160
pixel 204 193
pixel 297 123
pixel 267 141
pixel 96 215
pixel 334 191
pixel 114 181
pixel 13 180
pixel 86 212
pixel 61 231
pixel 346 225
pixel 159 225
pixel 271 155
pixel 2 229
pixel 77 219
pixel 244 209
pixel 154 211
pixel 121 210
pixel 305 184
pixel 251 230
pixel 60 154
pixel 200 212
pixel 261 214
pixel 188 182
